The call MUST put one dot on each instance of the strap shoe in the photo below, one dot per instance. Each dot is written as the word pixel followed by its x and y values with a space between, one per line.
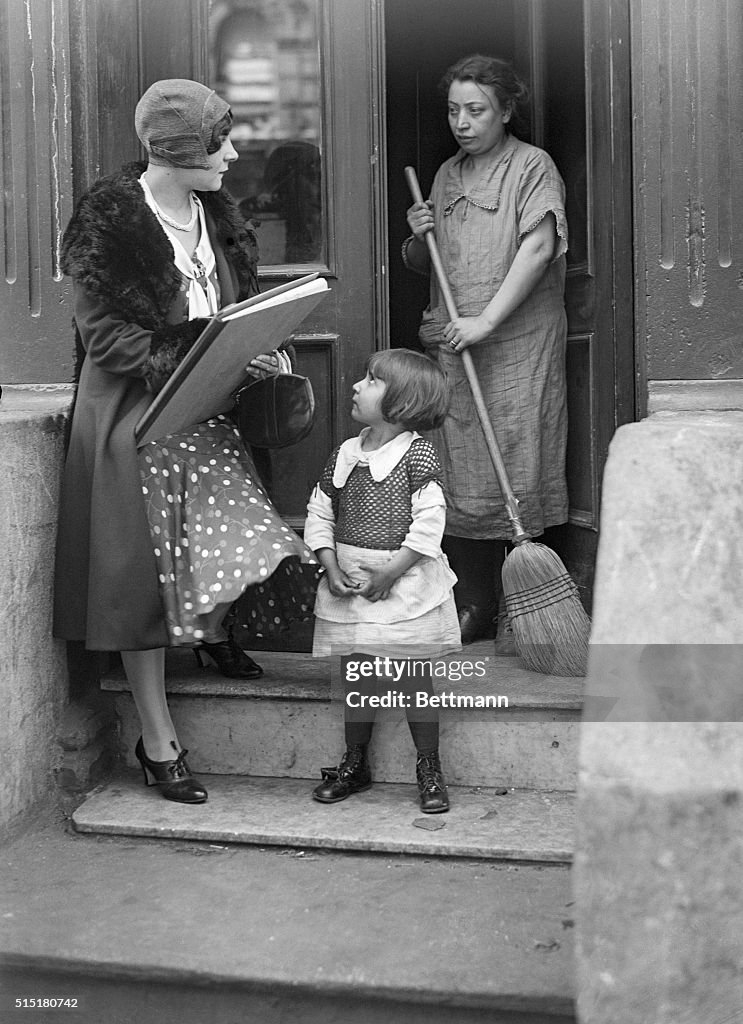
pixel 230 659
pixel 351 776
pixel 431 786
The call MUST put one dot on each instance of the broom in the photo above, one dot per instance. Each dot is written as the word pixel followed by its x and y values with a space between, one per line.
pixel 550 626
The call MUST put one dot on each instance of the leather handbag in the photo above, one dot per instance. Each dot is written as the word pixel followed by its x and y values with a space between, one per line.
pixel 275 411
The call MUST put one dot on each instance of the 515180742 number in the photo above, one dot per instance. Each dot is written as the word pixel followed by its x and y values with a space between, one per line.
pixel 46 1003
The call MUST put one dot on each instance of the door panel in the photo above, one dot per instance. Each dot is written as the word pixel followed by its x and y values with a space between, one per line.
pixel 581 49
pixel 564 130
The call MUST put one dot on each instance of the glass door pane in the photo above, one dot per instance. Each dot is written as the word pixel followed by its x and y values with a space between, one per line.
pixel 264 60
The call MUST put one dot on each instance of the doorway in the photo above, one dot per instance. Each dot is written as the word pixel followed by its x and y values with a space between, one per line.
pixel 574 55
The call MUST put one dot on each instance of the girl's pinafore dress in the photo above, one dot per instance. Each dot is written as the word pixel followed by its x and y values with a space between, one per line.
pixel 366 507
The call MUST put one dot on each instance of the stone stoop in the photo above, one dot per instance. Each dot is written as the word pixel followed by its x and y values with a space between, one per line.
pixel 259 745
pixel 514 825
pixel 289 723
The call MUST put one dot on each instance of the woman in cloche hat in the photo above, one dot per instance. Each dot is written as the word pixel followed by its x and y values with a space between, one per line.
pixel 155 545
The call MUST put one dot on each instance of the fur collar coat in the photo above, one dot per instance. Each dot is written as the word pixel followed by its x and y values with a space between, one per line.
pixel 131 333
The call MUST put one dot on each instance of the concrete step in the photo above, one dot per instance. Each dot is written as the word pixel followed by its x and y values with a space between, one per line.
pixel 290 722
pixel 180 932
pixel 496 825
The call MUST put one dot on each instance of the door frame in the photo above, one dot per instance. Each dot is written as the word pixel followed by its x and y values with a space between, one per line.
pixel 378 92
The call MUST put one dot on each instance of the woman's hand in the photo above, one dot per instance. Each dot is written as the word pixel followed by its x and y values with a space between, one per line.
pixel 464 331
pixel 420 219
pixel 268 364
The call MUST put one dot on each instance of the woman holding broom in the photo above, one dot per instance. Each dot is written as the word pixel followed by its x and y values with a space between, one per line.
pixel 498 211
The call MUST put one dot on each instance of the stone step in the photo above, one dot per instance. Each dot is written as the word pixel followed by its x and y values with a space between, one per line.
pixel 486 823
pixel 290 722
pixel 152 932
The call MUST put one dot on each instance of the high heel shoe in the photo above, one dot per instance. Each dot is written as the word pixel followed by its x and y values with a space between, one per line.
pixel 230 659
pixel 173 777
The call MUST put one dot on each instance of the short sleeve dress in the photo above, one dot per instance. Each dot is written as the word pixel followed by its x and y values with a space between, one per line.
pixel 521 367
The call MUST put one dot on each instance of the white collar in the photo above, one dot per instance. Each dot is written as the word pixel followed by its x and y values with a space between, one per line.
pixel 381 461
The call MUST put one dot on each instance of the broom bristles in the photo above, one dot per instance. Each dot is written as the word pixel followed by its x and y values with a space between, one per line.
pixel 550 625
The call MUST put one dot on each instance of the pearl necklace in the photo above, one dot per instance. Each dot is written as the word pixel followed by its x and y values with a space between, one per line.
pixel 188 226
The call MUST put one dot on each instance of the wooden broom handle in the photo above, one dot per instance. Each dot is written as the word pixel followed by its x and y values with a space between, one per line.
pixel 511 501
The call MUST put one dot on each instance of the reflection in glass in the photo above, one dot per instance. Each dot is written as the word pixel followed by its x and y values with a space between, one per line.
pixel 265 61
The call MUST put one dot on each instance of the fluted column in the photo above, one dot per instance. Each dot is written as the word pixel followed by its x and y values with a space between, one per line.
pixel 35 188
pixel 687 92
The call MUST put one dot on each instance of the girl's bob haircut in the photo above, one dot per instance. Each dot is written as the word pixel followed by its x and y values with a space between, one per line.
pixel 416 393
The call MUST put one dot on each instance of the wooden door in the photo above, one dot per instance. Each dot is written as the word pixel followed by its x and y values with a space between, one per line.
pixel 579 60
pixel 575 56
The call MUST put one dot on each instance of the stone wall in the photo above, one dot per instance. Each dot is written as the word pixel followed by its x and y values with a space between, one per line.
pixel 659 904
pixel 33 672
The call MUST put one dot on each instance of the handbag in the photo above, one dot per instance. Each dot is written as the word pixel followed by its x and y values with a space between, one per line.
pixel 275 411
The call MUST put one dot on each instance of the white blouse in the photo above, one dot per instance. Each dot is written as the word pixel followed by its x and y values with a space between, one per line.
pixel 199 268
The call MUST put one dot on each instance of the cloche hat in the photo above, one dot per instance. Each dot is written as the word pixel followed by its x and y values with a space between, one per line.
pixel 175 120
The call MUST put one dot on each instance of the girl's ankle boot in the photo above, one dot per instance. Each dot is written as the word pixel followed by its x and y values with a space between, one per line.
pixel 431 786
pixel 351 776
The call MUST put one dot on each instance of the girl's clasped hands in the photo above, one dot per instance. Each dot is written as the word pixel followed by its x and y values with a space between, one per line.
pixel 376 585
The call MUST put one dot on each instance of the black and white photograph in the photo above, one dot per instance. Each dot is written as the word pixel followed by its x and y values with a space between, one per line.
pixel 371 514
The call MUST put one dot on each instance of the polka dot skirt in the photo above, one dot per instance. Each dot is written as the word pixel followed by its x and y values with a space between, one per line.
pixel 217 536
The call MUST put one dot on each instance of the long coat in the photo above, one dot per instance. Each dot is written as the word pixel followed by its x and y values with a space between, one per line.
pixel 128 310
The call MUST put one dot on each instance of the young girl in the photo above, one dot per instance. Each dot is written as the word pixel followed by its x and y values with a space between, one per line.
pixel 375 521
